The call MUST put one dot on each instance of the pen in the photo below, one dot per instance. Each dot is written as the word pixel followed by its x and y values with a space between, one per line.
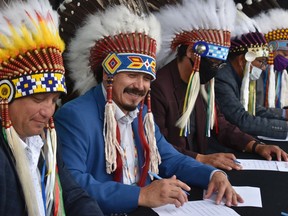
pixel 284 214
pixel 236 161
pixel 158 177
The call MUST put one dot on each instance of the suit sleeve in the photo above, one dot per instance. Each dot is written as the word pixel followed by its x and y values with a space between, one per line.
pixel 226 90
pixel 76 199
pixel 83 154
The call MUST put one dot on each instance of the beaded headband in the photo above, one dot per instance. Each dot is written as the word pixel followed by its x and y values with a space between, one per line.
pixel 129 62
pixel 30 54
pixel 210 50
pixel 278 45
pixel 252 43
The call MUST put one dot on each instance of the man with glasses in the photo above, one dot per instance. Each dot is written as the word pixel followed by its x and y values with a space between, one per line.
pixel 235 86
pixel 183 93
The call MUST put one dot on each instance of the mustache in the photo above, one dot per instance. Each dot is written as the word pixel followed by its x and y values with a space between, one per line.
pixel 135 91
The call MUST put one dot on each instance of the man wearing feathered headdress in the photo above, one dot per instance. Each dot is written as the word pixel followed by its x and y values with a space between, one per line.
pixel 274 26
pixel 33 179
pixel 185 116
pixel 110 142
pixel 236 84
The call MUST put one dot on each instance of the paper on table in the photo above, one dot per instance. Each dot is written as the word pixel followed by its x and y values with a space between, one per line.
pixel 273 139
pixel 195 208
pixel 248 164
pixel 282 166
pixel 250 195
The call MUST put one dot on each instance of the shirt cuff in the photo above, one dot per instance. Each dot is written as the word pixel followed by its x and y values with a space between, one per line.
pixel 217 170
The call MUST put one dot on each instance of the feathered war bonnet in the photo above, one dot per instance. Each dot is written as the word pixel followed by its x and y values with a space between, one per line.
pixel 31 63
pixel 115 36
pixel 247 39
pixel 253 7
pixel 274 25
pixel 205 24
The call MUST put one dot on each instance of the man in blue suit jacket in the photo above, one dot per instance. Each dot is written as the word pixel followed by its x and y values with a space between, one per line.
pixel 105 145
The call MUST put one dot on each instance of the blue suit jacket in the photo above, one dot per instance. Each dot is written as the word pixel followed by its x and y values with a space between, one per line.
pixel 79 125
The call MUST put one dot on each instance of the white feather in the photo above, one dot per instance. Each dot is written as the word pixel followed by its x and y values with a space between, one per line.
pixel 244 25
pixel 192 15
pixel 113 21
pixel 272 20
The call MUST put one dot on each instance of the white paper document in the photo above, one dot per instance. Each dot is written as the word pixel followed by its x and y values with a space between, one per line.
pixel 272 139
pixel 250 195
pixel 196 208
pixel 248 164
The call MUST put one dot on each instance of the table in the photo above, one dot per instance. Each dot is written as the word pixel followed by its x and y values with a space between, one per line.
pixel 273 186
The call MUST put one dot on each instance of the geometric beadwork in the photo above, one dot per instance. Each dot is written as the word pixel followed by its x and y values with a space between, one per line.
pixel 39 83
pixel 111 63
pixel 129 62
pixel 278 44
pixel 6 90
pixel 217 52
pixel 208 50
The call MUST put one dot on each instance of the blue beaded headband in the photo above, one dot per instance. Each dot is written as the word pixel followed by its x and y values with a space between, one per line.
pixel 129 62
pixel 211 50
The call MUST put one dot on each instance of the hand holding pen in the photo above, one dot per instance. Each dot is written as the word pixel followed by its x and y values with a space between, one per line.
pixel 158 177
pixel 163 191
pixel 224 161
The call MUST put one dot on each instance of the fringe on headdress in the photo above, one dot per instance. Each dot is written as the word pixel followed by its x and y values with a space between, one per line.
pixel 125 37
pixel 31 49
pixel 204 23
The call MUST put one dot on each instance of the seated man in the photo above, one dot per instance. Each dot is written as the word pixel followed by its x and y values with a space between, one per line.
pixel 235 86
pixel 108 144
pixel 33 179
pixel 177 83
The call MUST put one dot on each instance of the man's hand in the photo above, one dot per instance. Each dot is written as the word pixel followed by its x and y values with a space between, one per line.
pixel 220 184
pixel 224 161
pixel 267 151
pixel 162 192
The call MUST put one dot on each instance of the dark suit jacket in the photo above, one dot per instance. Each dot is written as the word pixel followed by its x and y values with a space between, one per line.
pixel 12 202
pixel 167 99
pixel 267 121
pixel 11 195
